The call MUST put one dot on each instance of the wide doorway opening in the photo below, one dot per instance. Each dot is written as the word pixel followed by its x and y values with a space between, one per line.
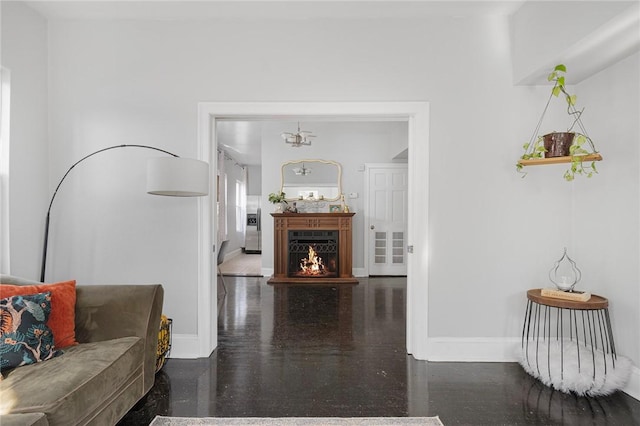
pixel 416 116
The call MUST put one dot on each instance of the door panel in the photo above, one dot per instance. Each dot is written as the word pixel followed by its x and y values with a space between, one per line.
pixel 387 210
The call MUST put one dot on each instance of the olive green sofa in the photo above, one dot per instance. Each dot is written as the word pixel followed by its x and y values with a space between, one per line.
pixel 99 380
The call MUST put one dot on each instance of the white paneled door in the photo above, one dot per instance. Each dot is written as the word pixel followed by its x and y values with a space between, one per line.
pixel 387 218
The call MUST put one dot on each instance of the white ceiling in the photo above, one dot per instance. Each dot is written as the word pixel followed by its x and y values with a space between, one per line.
pixel 268 9
pixel 241 139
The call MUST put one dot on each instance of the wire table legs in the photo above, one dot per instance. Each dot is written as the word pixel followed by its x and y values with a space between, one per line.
pixel 569 349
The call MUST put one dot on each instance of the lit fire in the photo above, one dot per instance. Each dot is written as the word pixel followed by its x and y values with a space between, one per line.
pixel 312 265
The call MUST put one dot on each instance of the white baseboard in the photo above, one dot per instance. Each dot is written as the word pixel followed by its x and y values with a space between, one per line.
pixel 633 387
pixel 233 254
pixel 476 349
pixel 266 272
pixel 358 272
pixel 184 346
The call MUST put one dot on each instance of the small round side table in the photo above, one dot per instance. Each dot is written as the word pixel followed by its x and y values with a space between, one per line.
pixel 568 344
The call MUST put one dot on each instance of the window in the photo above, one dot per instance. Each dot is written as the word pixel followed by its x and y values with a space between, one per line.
pixel 224 203
pixel 5 91
pixel 240 206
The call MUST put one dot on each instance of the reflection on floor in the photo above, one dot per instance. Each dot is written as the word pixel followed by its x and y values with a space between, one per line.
pixel 339 351
pixel 242 265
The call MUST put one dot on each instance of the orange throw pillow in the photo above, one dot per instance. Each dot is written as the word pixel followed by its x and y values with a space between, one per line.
pixel 62 320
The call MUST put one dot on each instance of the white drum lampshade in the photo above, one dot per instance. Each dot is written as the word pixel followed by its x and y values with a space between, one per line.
pixel 177 177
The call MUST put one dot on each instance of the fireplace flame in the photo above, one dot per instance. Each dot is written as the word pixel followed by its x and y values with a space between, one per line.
pixel 312 265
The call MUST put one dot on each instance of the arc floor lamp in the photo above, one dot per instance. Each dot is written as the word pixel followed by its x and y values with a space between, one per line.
pixel 173 176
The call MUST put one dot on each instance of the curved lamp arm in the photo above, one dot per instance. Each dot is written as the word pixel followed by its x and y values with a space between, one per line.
pixel 46 228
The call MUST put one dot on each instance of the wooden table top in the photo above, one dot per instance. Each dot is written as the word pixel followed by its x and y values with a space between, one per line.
pixel 596 302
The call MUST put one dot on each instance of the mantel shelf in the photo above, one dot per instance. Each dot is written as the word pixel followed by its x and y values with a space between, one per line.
pixel 557 160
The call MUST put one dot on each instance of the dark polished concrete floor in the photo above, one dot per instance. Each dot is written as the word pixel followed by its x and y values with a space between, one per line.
pixel 325 351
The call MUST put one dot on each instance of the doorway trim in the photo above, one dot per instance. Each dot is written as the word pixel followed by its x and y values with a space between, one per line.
pixel 417 115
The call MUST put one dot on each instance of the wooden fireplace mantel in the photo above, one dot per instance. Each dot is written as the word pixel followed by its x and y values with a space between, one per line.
pixel 341 222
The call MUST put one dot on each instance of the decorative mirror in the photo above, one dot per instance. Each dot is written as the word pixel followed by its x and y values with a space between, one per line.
pixel 311 180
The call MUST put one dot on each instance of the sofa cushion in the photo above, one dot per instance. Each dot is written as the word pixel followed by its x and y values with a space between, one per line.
pixel 25 337
pixel 72 388
pixel 63 307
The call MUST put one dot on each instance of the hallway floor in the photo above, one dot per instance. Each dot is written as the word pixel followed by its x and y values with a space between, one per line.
pixel 242 265
pixel 339 351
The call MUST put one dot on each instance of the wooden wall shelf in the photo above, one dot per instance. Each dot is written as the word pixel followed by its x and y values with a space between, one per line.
pixel 557 160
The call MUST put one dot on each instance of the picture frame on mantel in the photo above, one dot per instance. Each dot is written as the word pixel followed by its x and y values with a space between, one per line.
pixel 335 208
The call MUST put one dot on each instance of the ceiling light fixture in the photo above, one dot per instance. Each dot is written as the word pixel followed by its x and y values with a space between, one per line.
pixel 302 137
pixel 302 171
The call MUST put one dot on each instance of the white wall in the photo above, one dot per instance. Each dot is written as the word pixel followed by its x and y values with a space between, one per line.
pixel 24 53
pixel 254 180
pixel 112 82
pixel 493 235
pixel 606 213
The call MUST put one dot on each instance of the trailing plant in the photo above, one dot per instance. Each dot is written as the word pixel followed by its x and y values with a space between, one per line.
pixel 278 197
pixel 577 153
pixel 535 149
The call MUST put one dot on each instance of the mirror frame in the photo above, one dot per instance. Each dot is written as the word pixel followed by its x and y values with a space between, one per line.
pixel 330 162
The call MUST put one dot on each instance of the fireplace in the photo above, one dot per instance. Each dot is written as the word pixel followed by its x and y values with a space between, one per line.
pixel 313 254
pixel 313 248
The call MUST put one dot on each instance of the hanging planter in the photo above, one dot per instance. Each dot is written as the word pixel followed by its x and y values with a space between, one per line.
pixel 557 144
pixel 574 147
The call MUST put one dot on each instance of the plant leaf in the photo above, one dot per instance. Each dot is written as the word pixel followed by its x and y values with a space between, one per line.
pixel 35 309
pixel 572 99
pixel 560 81
pixel 556 91
pixel 560 67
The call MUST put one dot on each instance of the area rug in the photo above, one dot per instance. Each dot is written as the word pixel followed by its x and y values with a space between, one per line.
pixel 297 421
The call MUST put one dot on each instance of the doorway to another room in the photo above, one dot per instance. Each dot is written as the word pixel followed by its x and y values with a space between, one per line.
pixel 238 198
pixel 414 114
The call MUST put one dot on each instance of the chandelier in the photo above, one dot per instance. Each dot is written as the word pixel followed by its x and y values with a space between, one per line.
pixel 302 171
pixel 301 137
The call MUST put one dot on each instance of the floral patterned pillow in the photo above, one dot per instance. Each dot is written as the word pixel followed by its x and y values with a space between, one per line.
pixel 25 337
